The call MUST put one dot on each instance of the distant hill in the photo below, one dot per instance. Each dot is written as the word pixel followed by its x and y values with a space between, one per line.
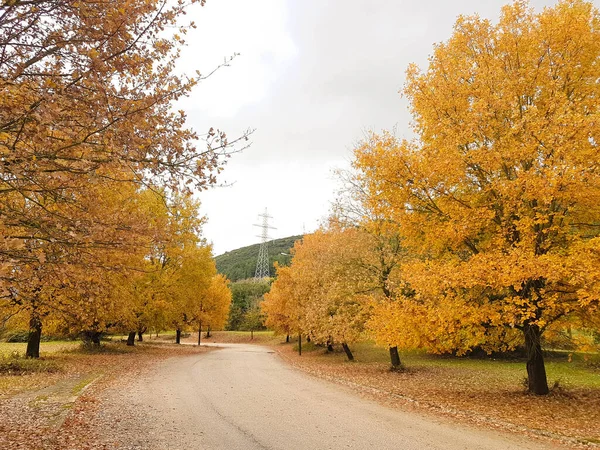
pixel 241 263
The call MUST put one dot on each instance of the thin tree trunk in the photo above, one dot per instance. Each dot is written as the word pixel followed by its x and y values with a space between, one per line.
pixel 330 345
pixel 348 352
pixel 300 344
pixel 35 336
pixel 287 338
pixel 308 338
pixel 178 337
pixel 251 333
pixel 140 336
pixel 200 333
pixel 95 338
pixel 395 358
pixel 207 333
pixel 131 339
pixel 537 382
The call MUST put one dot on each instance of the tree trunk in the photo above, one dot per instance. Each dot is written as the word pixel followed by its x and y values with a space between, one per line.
pixel 207 333
pixel 251 334
pixel 308 338
pixel 178 337
pixel 348 352
pixel 395 358
pixel 537 383
pixel 300 344
pixel 330 345
pixel 200 333
pixel 287 338
pixel 131 339
pixel 96 338
pixel 35 336
pixel 140 336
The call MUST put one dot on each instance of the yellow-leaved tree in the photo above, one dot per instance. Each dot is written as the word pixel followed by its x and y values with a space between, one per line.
pixel 380 260
pixel 323 291
pixel 281 306
pixel 212 304
pixel 499 195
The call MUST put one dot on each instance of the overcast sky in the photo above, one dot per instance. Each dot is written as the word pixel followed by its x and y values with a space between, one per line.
pixel 311 77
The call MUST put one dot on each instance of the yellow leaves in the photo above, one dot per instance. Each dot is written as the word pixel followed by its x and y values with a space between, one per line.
pixel 494 199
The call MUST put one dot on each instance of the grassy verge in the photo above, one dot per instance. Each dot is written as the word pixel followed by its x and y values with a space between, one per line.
pixel 242 337
pixel 46 348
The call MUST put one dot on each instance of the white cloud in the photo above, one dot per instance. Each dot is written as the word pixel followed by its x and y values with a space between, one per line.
pixel 313 75
pixel 228 27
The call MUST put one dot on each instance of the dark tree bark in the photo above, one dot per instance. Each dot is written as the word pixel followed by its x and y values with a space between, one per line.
pixel 140 336
pixel 330 345
pixel 131 339
pixel 178 337
pixel 395 358
pixel 207 333
pixel 300 344
pixel 308 338
pixel 200 333
pixel 251 333
pixel 287 338
pixel 348 352
pixel 35 336
pixel 92 338
pixel 537 382
pixel 96 338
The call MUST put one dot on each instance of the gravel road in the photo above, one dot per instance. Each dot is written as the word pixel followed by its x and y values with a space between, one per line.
pixel 245 397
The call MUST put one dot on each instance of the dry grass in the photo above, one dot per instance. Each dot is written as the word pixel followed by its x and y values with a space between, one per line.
pixel 242 337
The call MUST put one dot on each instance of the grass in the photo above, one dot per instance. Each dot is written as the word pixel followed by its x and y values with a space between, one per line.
pixel 260 337
pixel 76 390
pixel 16 365
pixel 578 373
pixel 46 348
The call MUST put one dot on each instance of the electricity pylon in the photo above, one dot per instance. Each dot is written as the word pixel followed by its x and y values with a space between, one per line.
pixel 262 264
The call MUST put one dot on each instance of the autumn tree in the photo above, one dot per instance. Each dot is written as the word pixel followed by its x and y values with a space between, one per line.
pixel 499 194
pixel 327 289
pixel 179 263
pixel 380 260
pixel 70 281
pixel 87 95
pixel 281 306
pixel 212 304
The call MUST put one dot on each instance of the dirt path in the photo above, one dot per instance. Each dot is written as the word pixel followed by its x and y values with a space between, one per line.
pixel 244 397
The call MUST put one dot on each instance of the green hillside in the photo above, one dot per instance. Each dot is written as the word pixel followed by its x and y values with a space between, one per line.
pixel 241 263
